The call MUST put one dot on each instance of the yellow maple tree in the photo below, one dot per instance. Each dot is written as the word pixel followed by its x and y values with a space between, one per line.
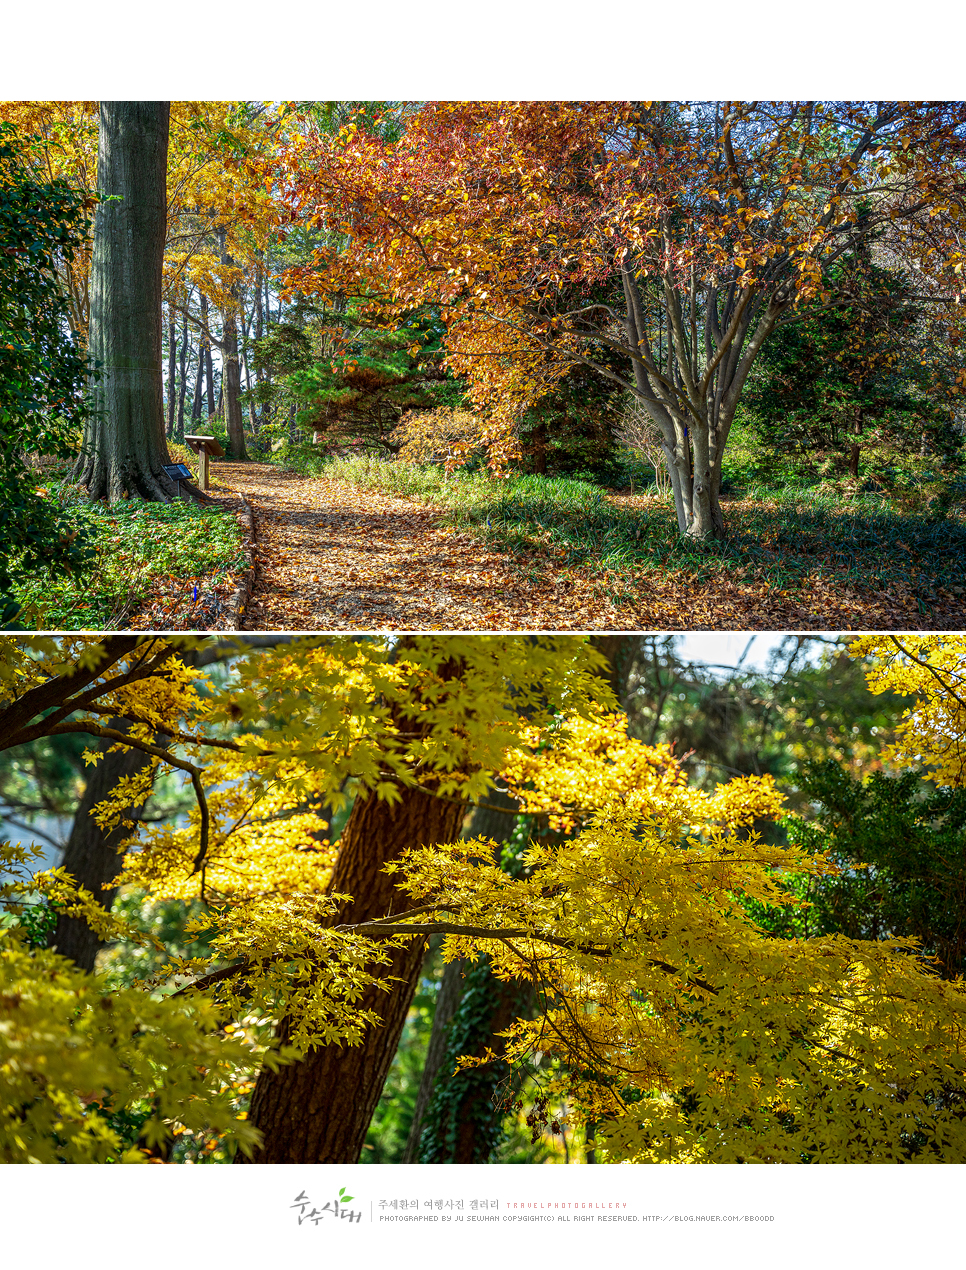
pixel 677 1025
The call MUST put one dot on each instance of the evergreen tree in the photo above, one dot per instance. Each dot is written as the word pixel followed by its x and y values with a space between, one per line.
pixel 900 842
pixel 858 384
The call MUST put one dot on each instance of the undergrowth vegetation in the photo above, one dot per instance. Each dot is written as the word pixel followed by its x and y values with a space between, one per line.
pixel 786 537
pixel 135 544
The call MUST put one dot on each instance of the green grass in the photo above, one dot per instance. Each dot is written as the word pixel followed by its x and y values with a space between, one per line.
pixel 136 545
pixel 786 539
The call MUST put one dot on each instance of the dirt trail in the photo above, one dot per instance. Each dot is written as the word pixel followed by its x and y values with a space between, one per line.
pixel 332 556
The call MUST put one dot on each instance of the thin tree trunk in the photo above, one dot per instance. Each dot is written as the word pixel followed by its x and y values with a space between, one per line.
pixel 458 1140
pixel 124 444
pixel 196 404
pixel 247 316
pixel 538 460
pixel 183 386
pixel 447 1003
pixel 855 448
pixel 259 301
pixel 209 365
pixel 91 856
pixel 230 376
pixel 172 362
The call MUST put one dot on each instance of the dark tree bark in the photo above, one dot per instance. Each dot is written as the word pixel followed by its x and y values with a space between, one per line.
pixel 482 822
pixel 318 1110
pixel 855 448
pixel 91 855
pixel 183 372
pixel 538 449
pixel 259 302
pixel 172 361
pixel 208 364
pixel 230 374
pixel 622 653
pixel 124 442
pixel 247 315
pixel 447 1003
pixel 196 403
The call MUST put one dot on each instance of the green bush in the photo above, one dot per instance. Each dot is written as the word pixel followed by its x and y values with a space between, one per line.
pixel 42 372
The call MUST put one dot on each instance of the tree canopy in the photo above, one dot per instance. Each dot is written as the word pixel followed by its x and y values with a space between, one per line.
pixel 677 236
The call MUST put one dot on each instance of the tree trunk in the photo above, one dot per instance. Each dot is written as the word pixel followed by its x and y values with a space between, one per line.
pixel 447 1003
pixel 317 1111
pixel 196 403
pixel 259 308
pixel 124 443
pixel 230 374
pixel 172 362
pixel 702 521
pixel 245 357
pixel 208 364
pixel 461 1119
pixel 464 1127
pixel 91 856
pixel 538 449
pixel 183 371
pixel 855 448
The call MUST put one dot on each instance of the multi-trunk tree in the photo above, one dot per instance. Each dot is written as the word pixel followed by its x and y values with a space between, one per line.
pixel 674 237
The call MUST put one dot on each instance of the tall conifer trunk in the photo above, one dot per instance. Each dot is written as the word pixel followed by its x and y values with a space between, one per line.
pixel 317 1111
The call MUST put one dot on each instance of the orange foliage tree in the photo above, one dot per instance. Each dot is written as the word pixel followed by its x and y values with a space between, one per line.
pixel 658 243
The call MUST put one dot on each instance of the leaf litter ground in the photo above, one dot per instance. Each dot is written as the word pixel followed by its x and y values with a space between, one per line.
pixel 334 556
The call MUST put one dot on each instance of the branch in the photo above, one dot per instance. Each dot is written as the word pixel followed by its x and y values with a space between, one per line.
pixel 393 926
pixel 725 342
pixel 48 695
pixel 95 729
pixel 932 670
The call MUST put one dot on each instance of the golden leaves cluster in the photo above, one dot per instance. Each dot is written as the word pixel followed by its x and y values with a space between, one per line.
pixel 932 668
pixel 218 154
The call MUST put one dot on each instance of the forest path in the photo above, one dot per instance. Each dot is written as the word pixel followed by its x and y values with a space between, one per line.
pixel 332 556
